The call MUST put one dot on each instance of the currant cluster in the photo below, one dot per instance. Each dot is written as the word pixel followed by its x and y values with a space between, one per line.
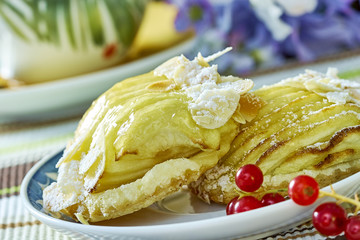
pixel 249 178
pixel 329 218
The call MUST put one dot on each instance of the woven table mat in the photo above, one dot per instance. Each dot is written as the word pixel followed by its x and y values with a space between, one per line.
pixel 24 144
pixel 21 146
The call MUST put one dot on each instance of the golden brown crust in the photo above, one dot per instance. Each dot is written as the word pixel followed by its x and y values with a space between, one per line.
pixel 296 132
pixel 101 192
pixel 159 182
pixel 163 179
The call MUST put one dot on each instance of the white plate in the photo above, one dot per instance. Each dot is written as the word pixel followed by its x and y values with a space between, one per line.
pixel 180 216
pixel 76 93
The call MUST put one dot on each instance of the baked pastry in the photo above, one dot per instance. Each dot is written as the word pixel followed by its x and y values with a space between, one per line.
pixel 147 136
pixel 310 124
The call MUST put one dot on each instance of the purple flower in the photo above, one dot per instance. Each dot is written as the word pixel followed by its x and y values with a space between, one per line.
pixel 236 62
pixel 193 13
pixel 244 29
pixel 237 26
pixel 331 28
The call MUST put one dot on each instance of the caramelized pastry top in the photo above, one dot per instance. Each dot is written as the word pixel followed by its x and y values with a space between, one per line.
pixel 310 125
pixel 180 110
pixel 327 85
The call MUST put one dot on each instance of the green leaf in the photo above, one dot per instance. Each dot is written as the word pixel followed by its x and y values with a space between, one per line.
pixel 64 5
pixel 95 22
pixel 355 73
pixel 50 18
pixel 126 16
pixel 13 26
pixel 83 22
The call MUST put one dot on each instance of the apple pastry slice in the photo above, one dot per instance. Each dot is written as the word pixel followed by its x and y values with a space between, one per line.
pixel 310 124
pixel 147 136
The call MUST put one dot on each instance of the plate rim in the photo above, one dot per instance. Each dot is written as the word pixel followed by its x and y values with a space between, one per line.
pixel 166 229
pixel 38 165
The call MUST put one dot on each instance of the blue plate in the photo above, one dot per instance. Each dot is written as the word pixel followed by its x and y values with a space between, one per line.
pixel 171 218
pixel 43 177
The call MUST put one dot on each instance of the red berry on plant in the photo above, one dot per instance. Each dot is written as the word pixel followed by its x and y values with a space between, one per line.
pixel 352 228
pixel 271 198
pixel 303 190
pixel 243 204
pixel 249 178
pixel 230 206
pixel 329 219
pixel 246 203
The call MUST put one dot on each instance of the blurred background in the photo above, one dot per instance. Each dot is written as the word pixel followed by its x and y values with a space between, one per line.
pixel 271 33
pixel 56 57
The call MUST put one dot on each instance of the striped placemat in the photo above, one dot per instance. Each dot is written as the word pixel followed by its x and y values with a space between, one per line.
pixel 23 144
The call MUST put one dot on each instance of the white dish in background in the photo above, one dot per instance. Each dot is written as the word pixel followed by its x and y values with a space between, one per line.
pixel 75 94
pixel 179 216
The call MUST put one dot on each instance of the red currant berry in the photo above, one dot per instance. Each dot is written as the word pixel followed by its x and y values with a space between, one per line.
pixel 249 178
pixel 271 198
pixel 303 190
pixel 246 203
pixel 352 229
pixel 230 206
pixel 329 219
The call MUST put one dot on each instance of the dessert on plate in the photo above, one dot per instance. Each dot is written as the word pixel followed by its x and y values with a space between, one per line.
pixel 185 124
pixel 309 124
pixel 148 136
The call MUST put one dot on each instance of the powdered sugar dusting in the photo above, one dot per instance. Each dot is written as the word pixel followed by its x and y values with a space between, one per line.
pixel 214 98
pixel 327 85
pixel 68 190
